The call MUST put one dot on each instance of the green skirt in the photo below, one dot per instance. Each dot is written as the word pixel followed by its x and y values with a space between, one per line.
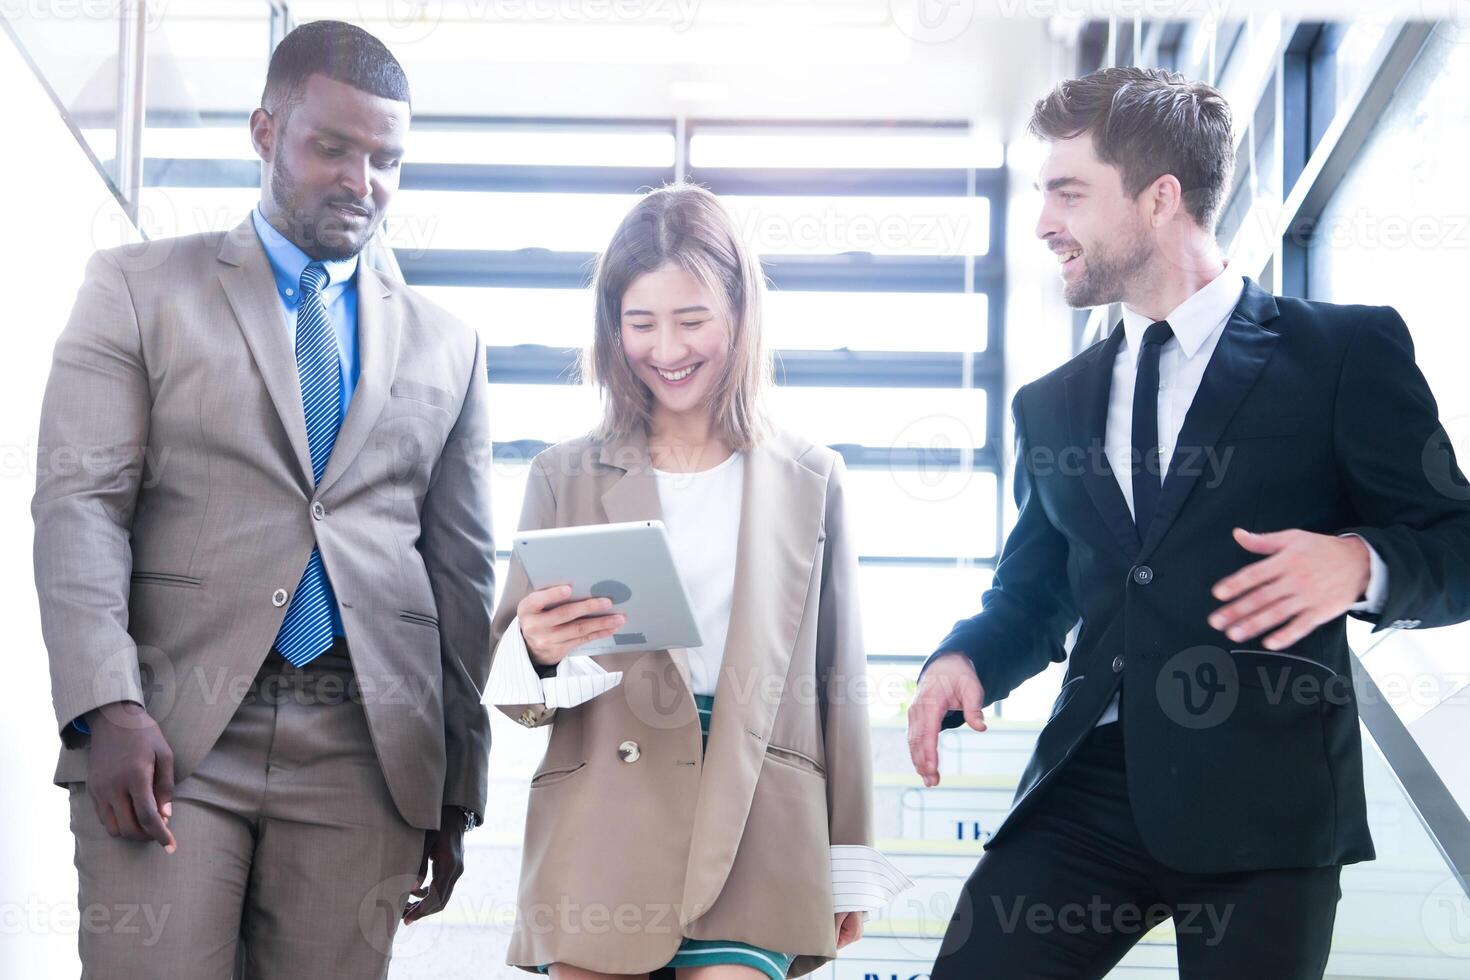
pixel 711 952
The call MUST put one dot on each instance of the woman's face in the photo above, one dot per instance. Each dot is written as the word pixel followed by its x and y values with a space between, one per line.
pixel 676 340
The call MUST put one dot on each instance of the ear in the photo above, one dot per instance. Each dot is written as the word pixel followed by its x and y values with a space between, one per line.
pixel 1163 199
pixel 263 134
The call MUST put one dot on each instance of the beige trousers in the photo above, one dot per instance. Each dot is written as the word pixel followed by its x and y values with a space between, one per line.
pixel 292 857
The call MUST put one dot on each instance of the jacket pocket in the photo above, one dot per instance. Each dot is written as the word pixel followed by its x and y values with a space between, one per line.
pixel 420 392
pixel 795 759
pixel 167 578
pixel 419 618
pixel 556 774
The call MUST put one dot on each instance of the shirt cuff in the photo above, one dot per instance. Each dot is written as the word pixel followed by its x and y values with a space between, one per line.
pixel 1376 595
pixel 513 677
pixel 863 880
pixel 81 726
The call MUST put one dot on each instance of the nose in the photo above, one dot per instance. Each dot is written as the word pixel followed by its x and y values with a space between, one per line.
pixel 669 348
pixel 356 176
pixel 1047 223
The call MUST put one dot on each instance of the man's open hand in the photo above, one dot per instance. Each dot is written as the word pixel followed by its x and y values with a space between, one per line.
pixel 949 684
pixel 1307 580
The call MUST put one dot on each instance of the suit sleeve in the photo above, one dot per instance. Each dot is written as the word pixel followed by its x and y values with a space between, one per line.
pixel 458 549
pixel 1401 476
pixel 89 467
pixel 538 510
pixel 1028 610
pixel 842 668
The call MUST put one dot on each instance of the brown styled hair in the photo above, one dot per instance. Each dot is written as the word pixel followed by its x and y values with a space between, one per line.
pixel 684 225
pixel 1148 122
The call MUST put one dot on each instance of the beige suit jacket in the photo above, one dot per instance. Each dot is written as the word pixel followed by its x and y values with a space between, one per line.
pixel 635 840
pixel 175 510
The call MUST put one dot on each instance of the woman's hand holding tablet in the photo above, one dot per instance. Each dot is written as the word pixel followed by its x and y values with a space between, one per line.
pixel 553 627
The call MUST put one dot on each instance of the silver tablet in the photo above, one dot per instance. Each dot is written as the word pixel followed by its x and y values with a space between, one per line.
pixel 632 565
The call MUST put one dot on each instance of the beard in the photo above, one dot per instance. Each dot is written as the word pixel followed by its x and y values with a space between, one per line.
pixel 1110 270
pixel 318 233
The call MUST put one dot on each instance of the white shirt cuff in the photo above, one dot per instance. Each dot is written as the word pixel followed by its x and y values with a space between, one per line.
pixel 1377 593
pixel 513 677
pixel 863 880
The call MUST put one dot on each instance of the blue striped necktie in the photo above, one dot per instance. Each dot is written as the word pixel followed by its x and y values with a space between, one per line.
pixel 307 630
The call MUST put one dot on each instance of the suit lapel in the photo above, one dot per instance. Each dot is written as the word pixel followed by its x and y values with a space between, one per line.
pixel 1243 350
pixel 246 278
pixel 1087 411
pixel 782 506
pixel 379 329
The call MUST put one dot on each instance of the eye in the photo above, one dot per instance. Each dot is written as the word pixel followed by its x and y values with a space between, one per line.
pixel 329 150
pixel 693 323
pixel 1069 196
pixel 388 164
pixel 641 326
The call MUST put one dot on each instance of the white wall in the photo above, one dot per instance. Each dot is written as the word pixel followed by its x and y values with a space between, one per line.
pixel 57 210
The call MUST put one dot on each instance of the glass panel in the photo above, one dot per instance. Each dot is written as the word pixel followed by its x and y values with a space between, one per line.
pixel 914 418
pixel 795 320
pixel 422 219
pixel 908 609
pixel 944 513
pixel 543 145
pixel 811 225
pixel 75 51
pixel 836 149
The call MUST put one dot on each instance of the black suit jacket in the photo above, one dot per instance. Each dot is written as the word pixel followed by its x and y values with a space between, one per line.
pixel 1309 416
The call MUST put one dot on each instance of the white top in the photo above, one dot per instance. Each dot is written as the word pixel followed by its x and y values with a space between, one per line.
pixel 1198 323
pixel 702 513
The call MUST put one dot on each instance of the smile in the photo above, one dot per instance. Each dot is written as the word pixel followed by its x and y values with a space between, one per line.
pixel 674 377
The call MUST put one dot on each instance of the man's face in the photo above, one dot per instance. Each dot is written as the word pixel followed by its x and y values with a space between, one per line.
pixel 331 165
pixel 1101 237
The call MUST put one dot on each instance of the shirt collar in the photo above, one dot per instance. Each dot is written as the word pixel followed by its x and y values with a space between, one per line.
pixel 288 261
pixel 1195 319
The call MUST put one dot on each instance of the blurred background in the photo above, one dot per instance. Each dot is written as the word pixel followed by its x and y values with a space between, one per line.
pixel 874 154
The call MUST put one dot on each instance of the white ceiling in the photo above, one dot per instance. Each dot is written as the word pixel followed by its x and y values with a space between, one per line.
pixel 749 59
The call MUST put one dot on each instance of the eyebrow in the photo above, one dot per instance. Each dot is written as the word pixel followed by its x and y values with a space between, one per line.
pixel 328 131
pixel 1059 182
pixel 680 310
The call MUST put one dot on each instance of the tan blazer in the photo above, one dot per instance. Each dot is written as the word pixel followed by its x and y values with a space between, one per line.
pixel 175 511
pixel 633 840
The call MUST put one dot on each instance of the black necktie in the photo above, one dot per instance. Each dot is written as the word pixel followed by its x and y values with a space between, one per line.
pixel 1147 473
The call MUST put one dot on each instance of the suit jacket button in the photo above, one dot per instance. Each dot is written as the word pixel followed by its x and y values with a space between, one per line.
pixel 317 510
pixel 278 597
pixel 1143 575
pixel 1118 664
pixel 629 751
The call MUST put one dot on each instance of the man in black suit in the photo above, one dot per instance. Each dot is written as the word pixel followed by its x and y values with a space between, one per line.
pixel 1208 491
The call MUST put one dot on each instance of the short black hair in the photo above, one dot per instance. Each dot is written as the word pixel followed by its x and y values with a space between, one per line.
pixel 342 52
pixel 1148 122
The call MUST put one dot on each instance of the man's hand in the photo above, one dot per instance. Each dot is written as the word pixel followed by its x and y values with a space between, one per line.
pixel 1309 579
pixel 950 684
pixel 849 927
pixel 130 773
pixel 445 849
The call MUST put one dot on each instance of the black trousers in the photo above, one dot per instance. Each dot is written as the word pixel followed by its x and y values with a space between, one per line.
pixel 1067 893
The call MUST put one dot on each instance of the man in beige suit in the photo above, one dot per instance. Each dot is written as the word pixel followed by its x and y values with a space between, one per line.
pixel 265 565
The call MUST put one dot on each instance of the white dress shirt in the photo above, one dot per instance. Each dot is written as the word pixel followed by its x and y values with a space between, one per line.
pixel 1198 323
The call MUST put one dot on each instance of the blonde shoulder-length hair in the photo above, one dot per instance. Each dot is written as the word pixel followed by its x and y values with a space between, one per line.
pixel 686 226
